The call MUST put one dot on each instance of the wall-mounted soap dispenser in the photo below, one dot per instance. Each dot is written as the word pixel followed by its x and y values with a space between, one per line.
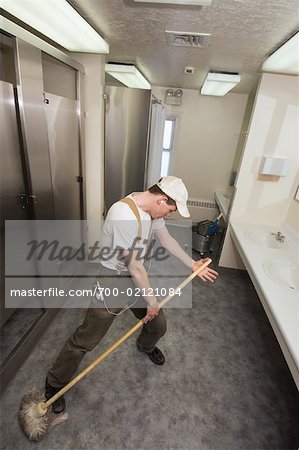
pixel 274 166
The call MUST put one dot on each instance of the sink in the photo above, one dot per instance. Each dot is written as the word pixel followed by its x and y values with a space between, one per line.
pixel 264 239
pixel 283 271
pixel 223 201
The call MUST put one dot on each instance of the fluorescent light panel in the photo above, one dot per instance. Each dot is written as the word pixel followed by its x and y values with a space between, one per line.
pixel 59 21
pixel 219 83
pixel 285 59
pixel 127 74
pixel 178 2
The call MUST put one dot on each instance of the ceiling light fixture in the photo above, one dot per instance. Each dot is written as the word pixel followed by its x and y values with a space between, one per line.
pixel 127 74
pixel 59 21
pixel 219 83
pixel 285 59
pixel 179 2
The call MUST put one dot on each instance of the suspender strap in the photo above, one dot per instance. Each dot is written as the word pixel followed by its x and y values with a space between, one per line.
pixel 133 207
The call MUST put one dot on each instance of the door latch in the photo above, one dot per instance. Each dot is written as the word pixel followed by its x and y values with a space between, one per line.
pixel 27 200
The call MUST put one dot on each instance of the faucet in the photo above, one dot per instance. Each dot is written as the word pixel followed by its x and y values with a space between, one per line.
pixel 279 237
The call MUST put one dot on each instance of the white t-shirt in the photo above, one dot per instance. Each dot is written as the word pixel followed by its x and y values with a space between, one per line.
pixel 120 231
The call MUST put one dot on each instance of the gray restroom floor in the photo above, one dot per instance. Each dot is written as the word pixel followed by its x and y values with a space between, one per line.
pixel 15 328
pixel 225 383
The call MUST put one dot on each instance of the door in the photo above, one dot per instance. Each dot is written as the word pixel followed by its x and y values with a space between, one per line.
pixel 64 153
pixel 12 184
pixel 126 131
pixel 63 134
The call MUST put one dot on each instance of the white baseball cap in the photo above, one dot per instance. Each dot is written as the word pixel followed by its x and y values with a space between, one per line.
pixel 175 189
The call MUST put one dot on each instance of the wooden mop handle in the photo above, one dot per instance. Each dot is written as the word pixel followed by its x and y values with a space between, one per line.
pixel 185 282
pixel 113 347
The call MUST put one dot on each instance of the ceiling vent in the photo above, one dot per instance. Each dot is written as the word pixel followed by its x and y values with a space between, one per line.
pixel 188 70
pixel 185 39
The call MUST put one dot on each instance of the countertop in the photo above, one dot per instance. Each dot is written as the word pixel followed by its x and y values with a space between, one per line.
pixel 282 302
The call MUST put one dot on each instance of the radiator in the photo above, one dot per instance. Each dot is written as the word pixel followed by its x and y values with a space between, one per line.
pixel 199 210
pixel 202 209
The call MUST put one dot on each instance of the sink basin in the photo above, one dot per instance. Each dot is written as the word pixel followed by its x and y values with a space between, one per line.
pixel 284 272
pixel 264 239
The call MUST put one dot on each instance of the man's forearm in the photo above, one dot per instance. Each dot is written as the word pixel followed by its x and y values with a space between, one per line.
pixel 141 280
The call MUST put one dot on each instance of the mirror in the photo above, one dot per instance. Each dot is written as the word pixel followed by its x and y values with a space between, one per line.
pixel 228 194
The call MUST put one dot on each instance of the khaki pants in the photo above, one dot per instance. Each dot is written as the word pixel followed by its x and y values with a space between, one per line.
pixel 88 335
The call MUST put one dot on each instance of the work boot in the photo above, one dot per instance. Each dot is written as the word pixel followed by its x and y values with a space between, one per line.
pixel 59 405
pixel 155 355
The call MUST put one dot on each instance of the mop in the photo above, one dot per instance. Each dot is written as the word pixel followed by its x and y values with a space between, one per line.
pixel 35 416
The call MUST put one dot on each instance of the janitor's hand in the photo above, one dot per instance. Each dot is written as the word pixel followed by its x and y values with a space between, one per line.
pixel 207 274
pixel 152 311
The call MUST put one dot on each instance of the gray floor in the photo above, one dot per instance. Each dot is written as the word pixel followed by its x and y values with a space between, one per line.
pixel 225 383
pixel 15 328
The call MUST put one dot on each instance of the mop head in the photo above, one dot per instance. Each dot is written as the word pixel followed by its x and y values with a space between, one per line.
pixel 35 421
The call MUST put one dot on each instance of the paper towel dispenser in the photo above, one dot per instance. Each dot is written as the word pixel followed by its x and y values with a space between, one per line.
pixel 274 166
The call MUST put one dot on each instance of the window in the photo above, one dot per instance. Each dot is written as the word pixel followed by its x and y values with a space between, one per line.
pixel 168 138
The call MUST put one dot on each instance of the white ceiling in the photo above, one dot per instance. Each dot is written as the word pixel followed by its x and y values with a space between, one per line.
pixel 243 34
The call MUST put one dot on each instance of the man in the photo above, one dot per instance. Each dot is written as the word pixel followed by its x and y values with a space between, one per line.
pixel 126 231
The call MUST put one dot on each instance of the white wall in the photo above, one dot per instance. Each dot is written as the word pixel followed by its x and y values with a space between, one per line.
pixel 206 139
pixel 93 84
pixel 273 131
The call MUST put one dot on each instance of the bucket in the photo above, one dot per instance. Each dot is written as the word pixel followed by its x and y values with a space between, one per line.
pixel 201 243
pixel 201 239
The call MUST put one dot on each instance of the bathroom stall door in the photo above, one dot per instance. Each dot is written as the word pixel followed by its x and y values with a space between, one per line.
pixel 63 135
pixel 64 153
pixel 12 176
pixel 126 130
pixel 20 327
pixel 39 158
